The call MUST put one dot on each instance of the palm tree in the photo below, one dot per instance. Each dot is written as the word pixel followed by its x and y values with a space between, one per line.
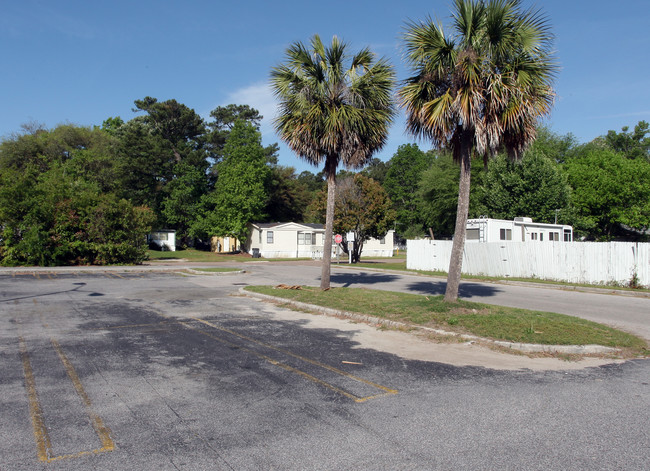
pixel 334 110
pixel 478 91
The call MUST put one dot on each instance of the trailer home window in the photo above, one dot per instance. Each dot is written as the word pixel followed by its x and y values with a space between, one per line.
pixel 306 238
pixel 472 234
pixel 269 237
pixel 505 234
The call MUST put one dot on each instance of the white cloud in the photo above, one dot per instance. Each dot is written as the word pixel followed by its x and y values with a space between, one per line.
pixel 260 97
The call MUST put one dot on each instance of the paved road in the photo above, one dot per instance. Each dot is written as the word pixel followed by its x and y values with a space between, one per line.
pixel 625 312
pixel 161 371
pixel 606 306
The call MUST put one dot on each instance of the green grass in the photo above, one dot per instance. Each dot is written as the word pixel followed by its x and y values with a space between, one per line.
pixel 193 255
pixel 483 320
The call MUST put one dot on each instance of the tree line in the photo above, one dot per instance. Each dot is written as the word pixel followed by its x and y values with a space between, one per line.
pixel 89 195
pixel 601 188
pixel 85 195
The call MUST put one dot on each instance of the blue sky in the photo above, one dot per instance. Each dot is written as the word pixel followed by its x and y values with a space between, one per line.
pixel 80 62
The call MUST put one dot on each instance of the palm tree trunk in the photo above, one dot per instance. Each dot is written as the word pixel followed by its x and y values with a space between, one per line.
pixel 458 246
pixel 330 172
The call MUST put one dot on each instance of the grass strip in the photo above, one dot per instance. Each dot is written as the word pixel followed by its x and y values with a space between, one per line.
pixel 193 255
pixel 484 320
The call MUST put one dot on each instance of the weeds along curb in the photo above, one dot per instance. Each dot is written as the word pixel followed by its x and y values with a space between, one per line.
pixel 518 346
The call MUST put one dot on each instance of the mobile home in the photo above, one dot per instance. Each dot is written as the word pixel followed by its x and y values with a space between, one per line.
pixel 521 229
pixel 301 240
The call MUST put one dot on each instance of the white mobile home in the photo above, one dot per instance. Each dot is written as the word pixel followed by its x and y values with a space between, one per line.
pixel 518 230
pixel 165 239
pixel 299 240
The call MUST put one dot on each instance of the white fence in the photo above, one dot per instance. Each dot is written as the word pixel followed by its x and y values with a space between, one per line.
pixel 575 262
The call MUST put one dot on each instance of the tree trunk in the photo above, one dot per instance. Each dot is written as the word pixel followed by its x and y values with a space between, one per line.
pixel 330 172
pixel 458 246
pixel 358 248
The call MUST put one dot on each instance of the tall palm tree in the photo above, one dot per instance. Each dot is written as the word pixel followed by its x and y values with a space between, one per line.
pixel 333 108
pixel 478 91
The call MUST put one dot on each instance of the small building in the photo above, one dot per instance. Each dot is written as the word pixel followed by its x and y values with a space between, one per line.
pixel 521 229
pixel 165 239
pixel 301 240
pixel 224 244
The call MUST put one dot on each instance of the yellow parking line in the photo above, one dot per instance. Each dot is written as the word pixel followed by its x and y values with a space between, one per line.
pixel 43 442
pixel 102 431
pixel 278 363
pixel 307 360
pixel 133 326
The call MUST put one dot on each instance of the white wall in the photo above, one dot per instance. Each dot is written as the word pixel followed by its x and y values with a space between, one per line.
pixel 576 262
pixel 166 240
pixel 285 242
pixel 374 248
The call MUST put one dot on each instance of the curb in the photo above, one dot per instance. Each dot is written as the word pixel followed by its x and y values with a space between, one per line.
pixel 521 347
pixel 213 273
pixel 111 269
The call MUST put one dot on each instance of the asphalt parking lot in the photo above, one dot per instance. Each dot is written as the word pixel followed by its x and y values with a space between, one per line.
pixel 119 370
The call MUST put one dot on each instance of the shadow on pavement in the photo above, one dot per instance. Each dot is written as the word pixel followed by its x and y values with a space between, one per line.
pixel 466 290
pixel 78 287
pixel 361 278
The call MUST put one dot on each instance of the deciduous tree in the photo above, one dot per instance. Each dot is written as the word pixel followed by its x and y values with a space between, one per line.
pixel 632 144
pixel 436 196
pixel 534 187
pixel 610 192
pixel 240 194
pixel 402 178
pixel 362 207
pixel 57 206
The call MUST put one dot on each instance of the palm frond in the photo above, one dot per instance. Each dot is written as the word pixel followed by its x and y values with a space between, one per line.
pixel 493 78
pixel 333 107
